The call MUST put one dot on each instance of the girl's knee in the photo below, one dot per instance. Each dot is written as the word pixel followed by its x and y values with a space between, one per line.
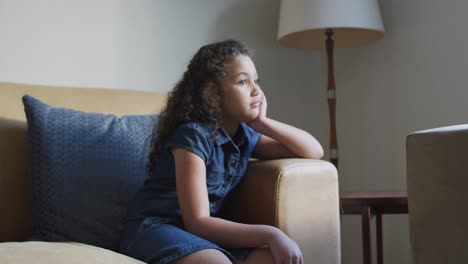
pixel 204 256
pixel 258 256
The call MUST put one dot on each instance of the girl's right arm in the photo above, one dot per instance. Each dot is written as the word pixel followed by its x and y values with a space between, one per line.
pixel 194 204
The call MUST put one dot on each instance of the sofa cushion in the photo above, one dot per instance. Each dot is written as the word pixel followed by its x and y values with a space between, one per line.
pixel 83 168
pixel 59 253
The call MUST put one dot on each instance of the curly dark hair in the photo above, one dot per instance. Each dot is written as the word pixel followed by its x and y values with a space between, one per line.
pixel 197 95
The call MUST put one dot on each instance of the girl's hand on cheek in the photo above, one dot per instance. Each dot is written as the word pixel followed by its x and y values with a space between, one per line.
pixel 263 108
pixel 255 123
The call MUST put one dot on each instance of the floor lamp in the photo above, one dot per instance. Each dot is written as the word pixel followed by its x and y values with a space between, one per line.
pixel 314 24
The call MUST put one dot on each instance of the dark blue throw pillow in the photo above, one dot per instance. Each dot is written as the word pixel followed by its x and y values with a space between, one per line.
pixel 83 169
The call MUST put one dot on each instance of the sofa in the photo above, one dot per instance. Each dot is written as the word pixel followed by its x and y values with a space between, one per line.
pixel 437 184
pixel 299 196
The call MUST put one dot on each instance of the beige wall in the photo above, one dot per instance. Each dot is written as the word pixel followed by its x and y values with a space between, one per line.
pixel 147 44
pixel 412 79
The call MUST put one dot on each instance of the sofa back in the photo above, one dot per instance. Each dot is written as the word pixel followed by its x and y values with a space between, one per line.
pixel 14 215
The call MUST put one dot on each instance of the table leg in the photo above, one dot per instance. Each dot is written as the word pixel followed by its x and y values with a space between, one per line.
pixel 379 239
pixel 366 235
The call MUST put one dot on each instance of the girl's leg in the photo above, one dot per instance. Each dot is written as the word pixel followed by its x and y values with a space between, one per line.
pixel 205 256
pixel 258 256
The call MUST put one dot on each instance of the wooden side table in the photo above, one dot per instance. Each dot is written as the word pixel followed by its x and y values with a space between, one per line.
pixel 368 204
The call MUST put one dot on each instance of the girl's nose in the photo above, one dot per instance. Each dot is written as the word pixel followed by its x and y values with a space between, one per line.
pixel 255 90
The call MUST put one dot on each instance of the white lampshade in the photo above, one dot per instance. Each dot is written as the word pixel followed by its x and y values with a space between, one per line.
pixel 302 23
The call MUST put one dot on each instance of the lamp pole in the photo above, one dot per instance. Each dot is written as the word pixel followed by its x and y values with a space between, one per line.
pixel 331 94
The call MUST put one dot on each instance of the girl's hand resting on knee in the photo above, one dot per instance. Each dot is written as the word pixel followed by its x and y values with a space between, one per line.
pixel 284 249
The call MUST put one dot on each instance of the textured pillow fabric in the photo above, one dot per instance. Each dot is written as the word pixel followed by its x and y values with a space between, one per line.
pixel 83 169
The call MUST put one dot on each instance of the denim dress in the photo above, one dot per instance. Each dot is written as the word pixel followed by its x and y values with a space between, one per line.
pixel 154 231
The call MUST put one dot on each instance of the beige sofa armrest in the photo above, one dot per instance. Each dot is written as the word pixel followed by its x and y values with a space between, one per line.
pixel 437 183
pixel 300 196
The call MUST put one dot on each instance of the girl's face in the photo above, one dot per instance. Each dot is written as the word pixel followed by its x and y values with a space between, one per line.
pixel 241 93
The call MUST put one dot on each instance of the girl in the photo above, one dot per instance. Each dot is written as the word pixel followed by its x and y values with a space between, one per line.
pixel 214 121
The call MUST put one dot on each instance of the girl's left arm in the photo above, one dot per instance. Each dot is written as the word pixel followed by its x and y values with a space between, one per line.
pixel 279 140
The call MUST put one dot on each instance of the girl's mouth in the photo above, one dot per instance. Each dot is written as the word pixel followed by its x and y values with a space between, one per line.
pixel 256 104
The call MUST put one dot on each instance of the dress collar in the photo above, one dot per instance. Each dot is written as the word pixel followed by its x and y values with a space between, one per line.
pixel 222 136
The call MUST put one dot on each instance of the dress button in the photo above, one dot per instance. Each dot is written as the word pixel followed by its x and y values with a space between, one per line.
pixel 233 163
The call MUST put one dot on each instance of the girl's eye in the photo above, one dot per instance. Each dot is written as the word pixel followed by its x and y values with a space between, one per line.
pixel 257 81
pixel 243 82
